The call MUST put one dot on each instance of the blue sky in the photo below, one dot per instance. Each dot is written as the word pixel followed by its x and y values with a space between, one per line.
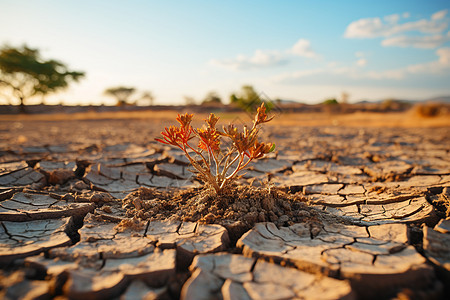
pixel 301 50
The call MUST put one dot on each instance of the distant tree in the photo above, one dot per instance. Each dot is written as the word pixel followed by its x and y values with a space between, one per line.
pixel 26 74
pixel 212 98
pixel 392 104
pixel 388 104
pixel 330 102
pixel 247 99
pixel 121 94
pixel 188 100
pixel 147 97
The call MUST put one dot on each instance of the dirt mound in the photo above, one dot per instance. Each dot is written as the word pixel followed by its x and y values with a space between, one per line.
pixel 246 204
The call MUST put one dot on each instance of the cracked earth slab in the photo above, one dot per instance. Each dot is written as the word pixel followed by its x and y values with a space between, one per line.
pixel 384 185
pixel 31 206
pixel 22 239
pixel 22 177
pixel 120 179
pixel 232 276
pixel 370 257
pixel 436 244
pixel 109 258
pixel 101 240
pixel 414 210
pixel 20 287
pixel 142 275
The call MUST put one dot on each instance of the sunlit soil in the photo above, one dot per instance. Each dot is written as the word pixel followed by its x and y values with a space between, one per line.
pixel 359 119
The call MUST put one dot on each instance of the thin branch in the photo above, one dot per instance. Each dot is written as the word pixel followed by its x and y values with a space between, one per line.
pixel 228 165
pixel 217 164
pixel 238 168
pixel 199 154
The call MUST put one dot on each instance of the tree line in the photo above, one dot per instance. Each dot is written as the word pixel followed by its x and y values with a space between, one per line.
pixel 25 74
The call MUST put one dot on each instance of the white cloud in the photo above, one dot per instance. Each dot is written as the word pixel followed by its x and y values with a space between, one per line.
pixel 298 74
pixel 266 58
pixel 263 59
pixel 303 48
pixel 422 26
pixel 428 41
pixel 444 56
pixel 434 67
pixel 258 60
pixel 439 66
pixel 365 28
pixel 397 74
pixel 439 15
pixel 376 27
pixel 331 69
pixel 392 18
pixel 361 62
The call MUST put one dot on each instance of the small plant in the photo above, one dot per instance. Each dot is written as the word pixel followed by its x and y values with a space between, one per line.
pixel 214 164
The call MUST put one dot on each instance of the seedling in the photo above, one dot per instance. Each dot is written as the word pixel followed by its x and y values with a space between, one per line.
pixel 218 166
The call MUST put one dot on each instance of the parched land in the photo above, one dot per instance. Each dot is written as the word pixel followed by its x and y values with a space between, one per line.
pixel 353 206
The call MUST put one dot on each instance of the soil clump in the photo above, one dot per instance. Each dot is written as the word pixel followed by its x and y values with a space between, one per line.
pixel 244 205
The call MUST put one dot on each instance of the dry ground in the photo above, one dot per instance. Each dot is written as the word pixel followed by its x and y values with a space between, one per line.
pixel 357 207
pixel 406 119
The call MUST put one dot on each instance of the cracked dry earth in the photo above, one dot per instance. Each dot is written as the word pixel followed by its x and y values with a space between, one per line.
pixel 380 198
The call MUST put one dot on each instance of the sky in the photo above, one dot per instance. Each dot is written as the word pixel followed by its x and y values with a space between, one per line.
pixel 306 51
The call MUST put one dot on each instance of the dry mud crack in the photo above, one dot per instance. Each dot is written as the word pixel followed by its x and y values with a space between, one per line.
pixel 339 213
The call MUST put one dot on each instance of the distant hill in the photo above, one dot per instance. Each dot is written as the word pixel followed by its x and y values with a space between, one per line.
pixel 444 99
pixel 286 101
pixel 381 101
